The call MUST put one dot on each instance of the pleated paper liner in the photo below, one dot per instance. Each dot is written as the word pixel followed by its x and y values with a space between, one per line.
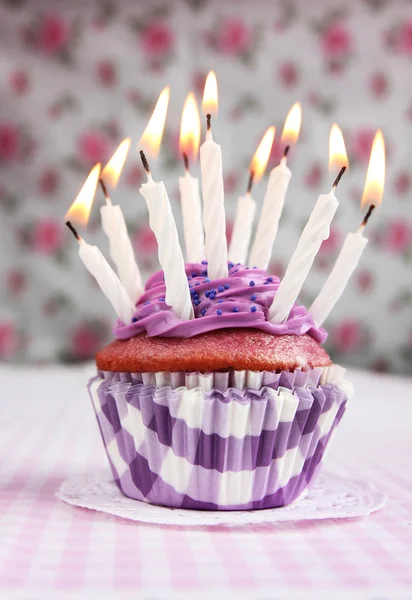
pixel 207 445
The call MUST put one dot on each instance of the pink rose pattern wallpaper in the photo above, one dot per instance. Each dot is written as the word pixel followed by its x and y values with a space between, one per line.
pixel 78 77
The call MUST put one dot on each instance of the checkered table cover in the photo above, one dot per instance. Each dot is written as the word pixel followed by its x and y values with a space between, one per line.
pixel 51 550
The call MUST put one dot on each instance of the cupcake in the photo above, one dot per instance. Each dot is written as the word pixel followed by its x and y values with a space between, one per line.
pixel 223 412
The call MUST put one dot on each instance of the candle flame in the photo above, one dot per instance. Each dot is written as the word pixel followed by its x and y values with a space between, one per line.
pixel 190 128
pixel 375 177
pixel 210 103
pixel 337 151
pixel 261 156
pixel 152 136
pixel 79 211
pixel 291 128
pixel 113 169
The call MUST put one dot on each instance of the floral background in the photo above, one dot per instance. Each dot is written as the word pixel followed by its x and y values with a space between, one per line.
pixel 77 77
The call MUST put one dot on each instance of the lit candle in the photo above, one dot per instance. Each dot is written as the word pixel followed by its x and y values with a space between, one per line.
pixel 246 206
pixel 354 243
pixel 114 226
pixel 91 256
pixel 189 186
pixel 214 220
pixel 275 195
pixel 163 225
pixel 314 233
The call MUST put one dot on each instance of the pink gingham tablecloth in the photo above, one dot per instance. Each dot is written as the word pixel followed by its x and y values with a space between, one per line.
pixel 51 550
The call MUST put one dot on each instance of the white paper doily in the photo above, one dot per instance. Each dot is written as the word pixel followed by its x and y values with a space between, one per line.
pixel 330 498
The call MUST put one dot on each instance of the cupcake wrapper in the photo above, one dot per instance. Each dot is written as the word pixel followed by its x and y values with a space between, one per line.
pixel 202 445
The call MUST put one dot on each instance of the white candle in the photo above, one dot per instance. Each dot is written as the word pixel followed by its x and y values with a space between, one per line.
pixel 337 281
pixel 242 229
pixel 270 216
pixel 121 249
pixel 171 260
pixel 214 220
pixel 192 218
pixel 315 231
pixel 107 279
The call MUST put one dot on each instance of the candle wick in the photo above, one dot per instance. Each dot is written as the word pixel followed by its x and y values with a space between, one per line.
pixel 208 123
pixel 186 162
pixel 250 182
pixel 146 165
pixel 105 192
pixel 338 178
pixel 366 218
pixel 73 230
pixel 286 152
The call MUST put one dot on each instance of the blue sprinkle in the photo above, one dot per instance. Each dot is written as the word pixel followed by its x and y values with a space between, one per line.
pixel 226 286
pixel 236 270
pixel 231 265
pixel 212 295
pixel 190 285
pixel 270 279
pixel 253 309
pixel 235 309
pixel 221 288
pixel 204 262
pixel 203 312
pixel 253 297
pixel 161 299
pixel 196 302
pixel 266 283
pixel 194 274
pixel 251 283
pixel 204 273
pixel 219 312
pixel 134 319
pixel 207 293
pixel 198 283
pixel 254 267
pixel 219 301
pixel 237 264
pixel 147 302
pixel 207 280
pixel 192 291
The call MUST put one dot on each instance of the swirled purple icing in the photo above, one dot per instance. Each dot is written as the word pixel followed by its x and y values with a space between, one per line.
pixel 241 299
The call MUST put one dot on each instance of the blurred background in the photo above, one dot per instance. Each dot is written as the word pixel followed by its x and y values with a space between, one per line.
pixel 77 76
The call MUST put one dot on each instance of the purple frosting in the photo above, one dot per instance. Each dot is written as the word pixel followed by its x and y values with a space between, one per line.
pixel 241 299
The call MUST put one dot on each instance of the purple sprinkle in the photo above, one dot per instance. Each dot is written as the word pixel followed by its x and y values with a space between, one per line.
pixel 221 288
pixel 226 286
pixel 197 283
pixel 207 280
pixel 219 312
pixel 253 309
pixel 253 297
pixel 254 267
pixel 236 270
pixel 266 283
pixel 212 295
pixel 161 299
pixel 207 293
pixel 134 319
pixel 235 309
pixel 190 285
pixel 204 262
pixel 192 291
pixel 204 273
pixel 251 283
pixel 219 301
pixel 147 302
pixel 231 265
pixel 203 312
pixel 196 302
pixel 270 279
pixel 237 264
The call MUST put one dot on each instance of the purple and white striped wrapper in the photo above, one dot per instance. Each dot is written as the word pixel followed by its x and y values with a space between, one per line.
pixel 219 441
